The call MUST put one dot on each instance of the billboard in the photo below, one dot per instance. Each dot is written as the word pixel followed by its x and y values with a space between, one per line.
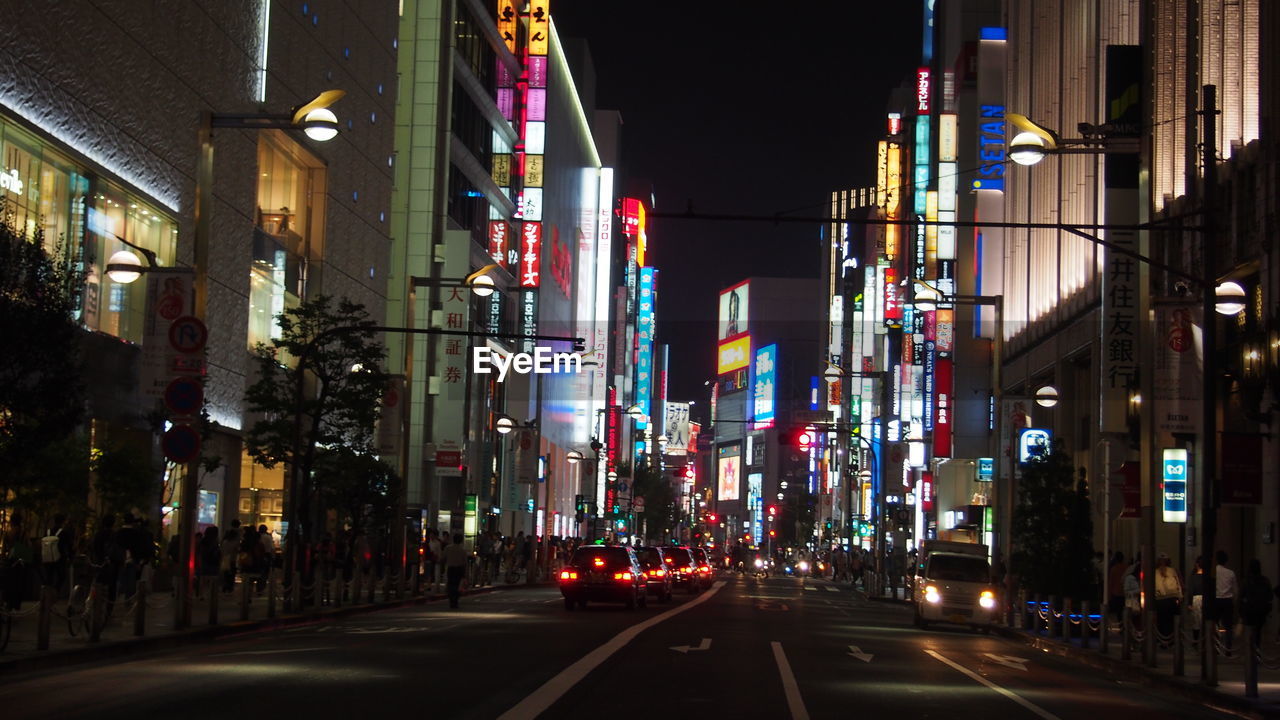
pixel 644 363
pixel 764 378
pixel 676 428
pixel 531 254
pixel 733 355
pixel 728 475
pixel 1174 477
pixel 733 311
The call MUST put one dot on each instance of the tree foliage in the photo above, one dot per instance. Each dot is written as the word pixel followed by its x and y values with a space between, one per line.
pixel 659 501
pixel 1053 528
pixel 331 344
pixel 359 486
pixel 41 394
pixel 124 478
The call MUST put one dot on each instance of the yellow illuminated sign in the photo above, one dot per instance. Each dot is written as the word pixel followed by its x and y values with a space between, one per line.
pixel 947 137
pixel 507 23
pixel 642 240
pixel 539 27
pixel 931 232
pixel 502 170
pixel 533 171
pixel 734 354
pixel 893 189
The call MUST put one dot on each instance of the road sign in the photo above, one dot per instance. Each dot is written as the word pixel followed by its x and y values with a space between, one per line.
pixel 637 503
pixel 805 417
pixel 181 444
pixel 188 334
pixel 184 396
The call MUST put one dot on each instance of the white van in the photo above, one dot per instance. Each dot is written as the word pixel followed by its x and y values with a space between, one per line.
pixel 953 585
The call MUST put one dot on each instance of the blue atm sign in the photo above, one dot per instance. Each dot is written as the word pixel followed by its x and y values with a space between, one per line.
pixel 1174 482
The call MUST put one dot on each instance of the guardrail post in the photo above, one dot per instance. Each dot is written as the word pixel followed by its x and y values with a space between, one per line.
pixel 1209 646
pixel 1104 627
pixel 212 586
pixel 1125 630
pixel 140 609
pixel 47 597
pixel 97 611
pixel 373 584
pixel 271 593
pixel 246 597
pixel 1179 649
pixel 1251 662
pixel 295 592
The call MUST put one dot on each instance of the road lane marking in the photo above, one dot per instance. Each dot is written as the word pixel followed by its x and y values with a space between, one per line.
pixel 686 649
pixel 272 652
pixel 553 689
pixel 828 588
pixel 1007 693
pixel 1013 663
pixel 856 651
pixel 795 703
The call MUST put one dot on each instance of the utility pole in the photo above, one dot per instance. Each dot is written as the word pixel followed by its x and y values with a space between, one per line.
pixel 1209 392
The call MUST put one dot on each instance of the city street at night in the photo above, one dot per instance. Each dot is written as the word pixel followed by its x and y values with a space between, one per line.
pixel 774 648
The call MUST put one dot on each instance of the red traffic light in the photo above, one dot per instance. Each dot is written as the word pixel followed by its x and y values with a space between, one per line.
pixel 802 438
pixel 773 533
pixel 773 509
pixel 711 518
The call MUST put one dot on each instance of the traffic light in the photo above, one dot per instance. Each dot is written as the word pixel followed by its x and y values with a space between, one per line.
pixel 773 511
pixel 711 518
pixel 773 533
pixel 799 437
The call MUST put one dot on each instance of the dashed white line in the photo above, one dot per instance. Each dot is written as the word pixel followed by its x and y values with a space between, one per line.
pixel 1007 693
pixel 795 703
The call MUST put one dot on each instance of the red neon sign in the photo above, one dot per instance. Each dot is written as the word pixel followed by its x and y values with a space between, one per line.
pixel 530 254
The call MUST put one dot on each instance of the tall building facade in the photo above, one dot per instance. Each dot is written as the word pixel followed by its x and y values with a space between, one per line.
pixel 100 108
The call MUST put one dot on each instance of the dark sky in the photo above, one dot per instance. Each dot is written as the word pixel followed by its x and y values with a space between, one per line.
pixel 740 108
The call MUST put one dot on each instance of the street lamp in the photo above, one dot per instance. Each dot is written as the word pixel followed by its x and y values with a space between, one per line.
pixel 1230 300
pixel 504 424
pixel 1032 141
pixel 1047 396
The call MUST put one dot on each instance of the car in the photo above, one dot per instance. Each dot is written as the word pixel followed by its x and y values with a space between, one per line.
pixel 683 569
pixel 653 563
pixel 706 571
pixel 954 586
pixel 603 573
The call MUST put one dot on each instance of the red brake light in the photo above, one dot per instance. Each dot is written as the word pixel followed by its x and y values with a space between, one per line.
pixel 568 575
pixel 624 575
pixel 671 560
pixel 598 562
pixel 661 572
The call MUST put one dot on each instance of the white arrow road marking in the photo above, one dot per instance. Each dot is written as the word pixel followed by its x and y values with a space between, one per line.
pixel 795 703
pixel 552 690
pixel 706 645
pixel 855 651
pixel 979 679
pixel 1008 661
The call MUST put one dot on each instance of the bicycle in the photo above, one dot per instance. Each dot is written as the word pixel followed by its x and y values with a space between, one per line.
pixel 83 598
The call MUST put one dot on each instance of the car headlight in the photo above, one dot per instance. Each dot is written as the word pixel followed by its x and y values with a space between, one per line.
pixel 987 599
pixel 931 595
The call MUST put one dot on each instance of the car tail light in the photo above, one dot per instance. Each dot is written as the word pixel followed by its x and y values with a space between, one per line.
pixel 624 575
pixel 568 575
pixel 657 573
pixel 706 569
pixel 598 562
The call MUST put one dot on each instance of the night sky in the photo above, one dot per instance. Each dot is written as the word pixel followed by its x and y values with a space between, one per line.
pixel 740 108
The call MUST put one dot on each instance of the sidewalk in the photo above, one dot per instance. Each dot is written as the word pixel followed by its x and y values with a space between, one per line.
pixel 1228 695
pixel 118 634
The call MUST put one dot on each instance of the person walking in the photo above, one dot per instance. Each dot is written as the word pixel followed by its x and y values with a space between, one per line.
pixel 1115 585
pixel 1168 595
pixel 267 547
pixel 455 566
pixel 56 551
pixel 1255 600
pixel 1195 588
pixel 210 555
pixel 228 552
pixel 1133 593
pixel 434 548
pixel 1224 597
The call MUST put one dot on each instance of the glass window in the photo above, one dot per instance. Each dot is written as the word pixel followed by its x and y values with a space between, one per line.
pixel 287 232
pixel 45 191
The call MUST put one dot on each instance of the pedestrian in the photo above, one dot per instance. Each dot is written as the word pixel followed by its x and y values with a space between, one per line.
pixel 228 552
pixel 56 551
pixel 210 554
pixel 434 548
pixel 455 565
pixel 267 547
pixel 1224 597
pixel 1168 595
pixel 1255 600
pixel 1133 593
pixel 129 542
pixel 21 555
pixel 1115 585
pixel 1195 588
pixel 486 549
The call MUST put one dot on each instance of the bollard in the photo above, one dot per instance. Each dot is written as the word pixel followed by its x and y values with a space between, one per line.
pixel 295 592
pixel 373 582
pixel 47 598
pixel 1021 616
pixel 1125 650
pixel 1084 623
pixel 339 587
pixel 1179 650
pixel 246 597
pixel 1251 661
pixel 271 593
pixel 211 585
pixel 355 586
pixel 140 610
pixel 1104 626
pixel 1064 622
pixel 386 585
pixel 97 611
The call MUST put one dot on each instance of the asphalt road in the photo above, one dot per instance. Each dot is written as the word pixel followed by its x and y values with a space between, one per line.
pixel 752 649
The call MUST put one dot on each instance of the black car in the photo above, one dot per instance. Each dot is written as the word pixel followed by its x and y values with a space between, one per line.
pixel 603 573
pixel 682 568
pixel 706 572
pixel 654 565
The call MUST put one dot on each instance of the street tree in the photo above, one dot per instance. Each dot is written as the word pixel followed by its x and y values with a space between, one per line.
pixel 1053 528
pixel 659 500
pixel 42 401
pixel 328 349
pixel 359 487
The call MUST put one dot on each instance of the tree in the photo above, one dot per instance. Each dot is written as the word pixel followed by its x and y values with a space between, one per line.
pixel 124 478
pixel 41 396
pixel 359 486
pixel 1053 528
pixel 659 500
pixel 332 345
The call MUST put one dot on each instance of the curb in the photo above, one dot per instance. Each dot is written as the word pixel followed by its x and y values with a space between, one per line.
pixel 1138 674
pixel 137 645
